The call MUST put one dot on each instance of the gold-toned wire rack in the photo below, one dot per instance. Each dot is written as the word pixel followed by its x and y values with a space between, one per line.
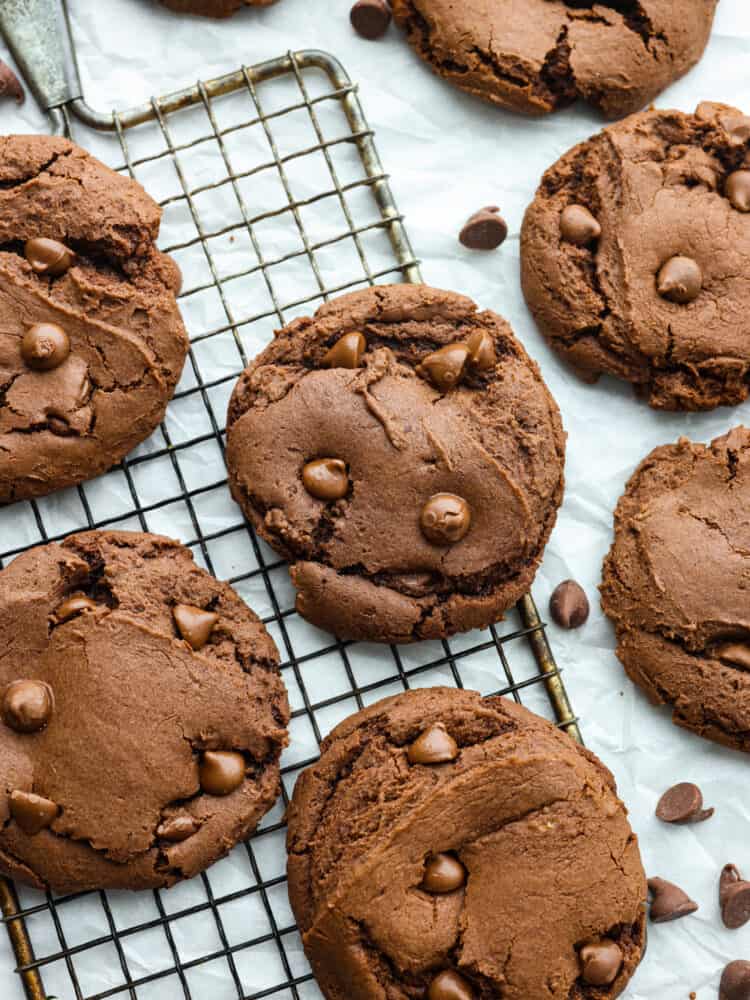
pixel 293 126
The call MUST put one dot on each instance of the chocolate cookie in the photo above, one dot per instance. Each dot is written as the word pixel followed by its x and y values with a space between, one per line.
pixel 536 56
pixel 213 8
pixel 402 451
pixel 633 256
pixel 675 584
pixel 91 340
pixel 141 717
pixel 453 847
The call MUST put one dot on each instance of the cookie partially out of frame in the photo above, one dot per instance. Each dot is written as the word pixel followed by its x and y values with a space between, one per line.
pixel 213 8
pixel 142 715
pixel 91 340
pixel 402 451
pixel 634 256
pixel 460 848
pixel 536 56
pixel 675 584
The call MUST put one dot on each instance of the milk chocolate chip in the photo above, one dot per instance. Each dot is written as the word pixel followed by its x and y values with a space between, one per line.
pixel 443 873
pixel 45 346
pixel 74 605
pixel 326 478
pixel 484 230
pixel 370 18
pixel 177 829
pixel 736 653
pixel 482 356
pixel 445 519
pixel 668 901
pixel 194 624
pixel 32 813
pixel 346 352
pixel 735 981
pixel 434 746
pixel 734 898
pixel 48 256
pixel 445 368
pixel 601 962
pixel 569 605
pixel 738 190
pixel 579 226
pixel 682 803
pixel 221 771
pixel 27 705
pixel 680 280
pixel 10 85
pixel 448 985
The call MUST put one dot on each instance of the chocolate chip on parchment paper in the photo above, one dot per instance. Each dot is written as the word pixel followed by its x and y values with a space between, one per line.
pixel 10 85
pixel 735 981
pixel 734 898
pixel 484 230
pixel 668 901
pixel 569 605
pixel 682 803
pixel 370 18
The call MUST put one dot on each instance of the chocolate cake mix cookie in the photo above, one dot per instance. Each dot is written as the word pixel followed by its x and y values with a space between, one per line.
pixel 142 715
pixel 634 256
pixel 91 340
pixel 675 583
pixel 213 8
pixel 402 451
pixel 456 848
pixel 536 56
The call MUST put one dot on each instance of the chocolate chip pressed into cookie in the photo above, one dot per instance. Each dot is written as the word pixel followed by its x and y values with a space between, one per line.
pixel 402 451
pixel 536 56
pixel 437 834
pixel 633 256
pixel 675 583
pixel 142 715
pixel 91 340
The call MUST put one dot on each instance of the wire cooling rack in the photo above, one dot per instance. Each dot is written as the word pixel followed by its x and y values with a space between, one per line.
pixel 274 199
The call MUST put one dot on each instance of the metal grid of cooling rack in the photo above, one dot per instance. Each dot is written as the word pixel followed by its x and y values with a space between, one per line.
pixel 274 199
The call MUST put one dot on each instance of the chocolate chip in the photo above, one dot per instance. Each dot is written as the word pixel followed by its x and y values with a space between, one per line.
pixel 735 981
pixel 10 85
pixel 177 828
pixel 448 985
pixel 736 653
pixel 682 803
pixel 370 18
pixel 482 355
pixel 738 190
pixel 346 352
pixel 194 624
pixel 434 746
pixel 27 705
pixel 569 605
pixel 601 962
pixel 445 368
pixel 579 226
pixel 45 346
pixel 445 519
pixel 326 478
pixel 32 813
pixel 443 873
pixel 74 605
pixel 484 230
pixel 734 898
pixel 48 256
pixel 668 901
pixel 680 280
pixel 221 771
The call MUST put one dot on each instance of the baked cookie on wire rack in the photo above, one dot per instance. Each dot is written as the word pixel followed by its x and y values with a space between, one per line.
pixel 402 451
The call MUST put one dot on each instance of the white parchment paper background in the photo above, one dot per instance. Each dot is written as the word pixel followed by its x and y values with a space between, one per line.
pixel 449 155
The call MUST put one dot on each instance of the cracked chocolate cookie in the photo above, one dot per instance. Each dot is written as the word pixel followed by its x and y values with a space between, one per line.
pixel 536 56
pixel 634 256
pixel 437 835
pixel 675 584
pixel 91 340
pixel 142 715
pixel 213 8
pixel 402 451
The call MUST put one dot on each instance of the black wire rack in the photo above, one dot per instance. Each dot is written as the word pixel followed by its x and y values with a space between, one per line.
pixel 274 199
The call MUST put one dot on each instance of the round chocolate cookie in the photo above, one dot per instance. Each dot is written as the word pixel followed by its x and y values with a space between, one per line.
pixel 634 256
pixel 142 715
pixel 91 340
pixel 213 8
pixel 536 56
pixel 675 583
pixel 458 848
pixel 403 452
